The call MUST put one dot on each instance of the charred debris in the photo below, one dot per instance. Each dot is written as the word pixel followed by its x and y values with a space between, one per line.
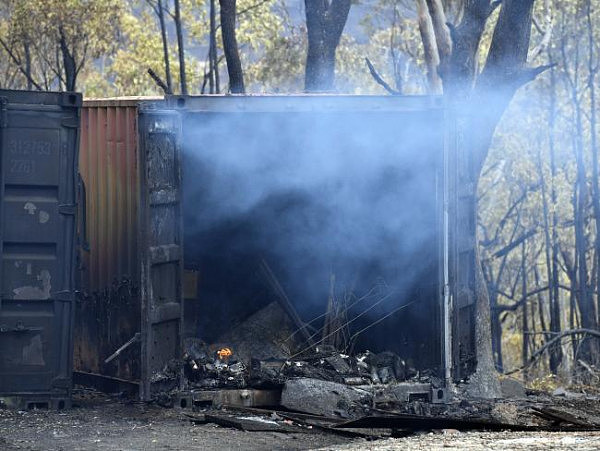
pixel 311 367
pixel 273 372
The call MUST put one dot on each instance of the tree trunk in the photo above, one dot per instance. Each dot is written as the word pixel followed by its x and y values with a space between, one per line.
pixel 556 354
pixel 481 101
pixel 180 49
pixel 324 24
pixel 432 57
pixel 496 325
pixel 213 72
pixel 525 316
pixel 230 47
pixel 585 300
pixel 163 34
pixel 27 55
pixel 69 65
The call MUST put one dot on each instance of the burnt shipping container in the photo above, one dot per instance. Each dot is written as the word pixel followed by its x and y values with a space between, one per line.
pixel 38 183
pixel 187 198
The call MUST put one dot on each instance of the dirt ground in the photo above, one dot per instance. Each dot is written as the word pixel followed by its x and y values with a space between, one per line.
pixel 103 423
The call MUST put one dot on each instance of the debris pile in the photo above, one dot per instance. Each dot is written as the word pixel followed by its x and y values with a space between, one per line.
pixel 206 368
pixel 273 349
pixel 209 369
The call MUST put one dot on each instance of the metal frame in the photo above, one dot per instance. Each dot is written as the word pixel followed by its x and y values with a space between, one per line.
pixel 302 103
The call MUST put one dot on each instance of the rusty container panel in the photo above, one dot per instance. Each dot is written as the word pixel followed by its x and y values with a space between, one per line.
pixel 108 314
pixel 38 174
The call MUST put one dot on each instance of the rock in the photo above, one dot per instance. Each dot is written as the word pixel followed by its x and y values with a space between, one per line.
pixel 325 398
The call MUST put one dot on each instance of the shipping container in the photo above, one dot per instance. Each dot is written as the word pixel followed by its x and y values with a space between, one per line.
pixel 38 183
pixel 189 200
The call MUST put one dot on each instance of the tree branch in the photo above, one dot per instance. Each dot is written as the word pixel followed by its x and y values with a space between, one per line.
pixel 380 80
pixel 161 84
pixel 18 63
pixel 555 340
pixel 430 49
pixel 509 247
pixel 442 31
pixel 530 74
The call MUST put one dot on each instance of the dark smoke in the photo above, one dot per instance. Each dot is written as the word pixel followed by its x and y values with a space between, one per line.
pixel 313 193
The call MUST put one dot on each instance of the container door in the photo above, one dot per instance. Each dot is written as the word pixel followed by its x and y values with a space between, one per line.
pixel 461 194
pixel 38 176
pixel 161 246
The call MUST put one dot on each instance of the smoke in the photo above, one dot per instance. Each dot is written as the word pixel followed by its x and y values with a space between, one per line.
pixel 352 192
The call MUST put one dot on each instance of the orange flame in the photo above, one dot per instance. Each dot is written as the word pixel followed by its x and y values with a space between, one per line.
pixel 224 353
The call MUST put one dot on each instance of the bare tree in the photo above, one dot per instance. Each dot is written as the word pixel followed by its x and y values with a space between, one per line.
pixel 180 49
pixel 159 10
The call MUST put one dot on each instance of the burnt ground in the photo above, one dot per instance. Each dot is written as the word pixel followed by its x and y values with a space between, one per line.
pixel 99 422
pixel 103 423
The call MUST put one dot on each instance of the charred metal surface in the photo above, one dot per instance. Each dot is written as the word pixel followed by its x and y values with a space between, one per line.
pixel 38 178
pixel 105 320
pixel 160 242
pixel 220 398
pixel 460 194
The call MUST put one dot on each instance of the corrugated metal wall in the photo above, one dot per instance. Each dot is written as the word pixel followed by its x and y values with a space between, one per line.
pixel 108 313
pixel 108 167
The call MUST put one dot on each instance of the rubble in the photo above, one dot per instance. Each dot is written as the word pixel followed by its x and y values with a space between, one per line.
pixel 205 368
pixel 264 362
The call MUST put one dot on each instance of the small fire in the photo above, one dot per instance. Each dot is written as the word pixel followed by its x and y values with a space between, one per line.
pixel 224 353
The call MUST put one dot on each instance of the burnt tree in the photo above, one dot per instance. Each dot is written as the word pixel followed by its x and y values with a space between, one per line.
pixel 160 13
pixel 159 10
pixel 71 71
pixel 480 98
pixel 213 60
pixel 325 21
pixel 180 49
pixel 230 47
